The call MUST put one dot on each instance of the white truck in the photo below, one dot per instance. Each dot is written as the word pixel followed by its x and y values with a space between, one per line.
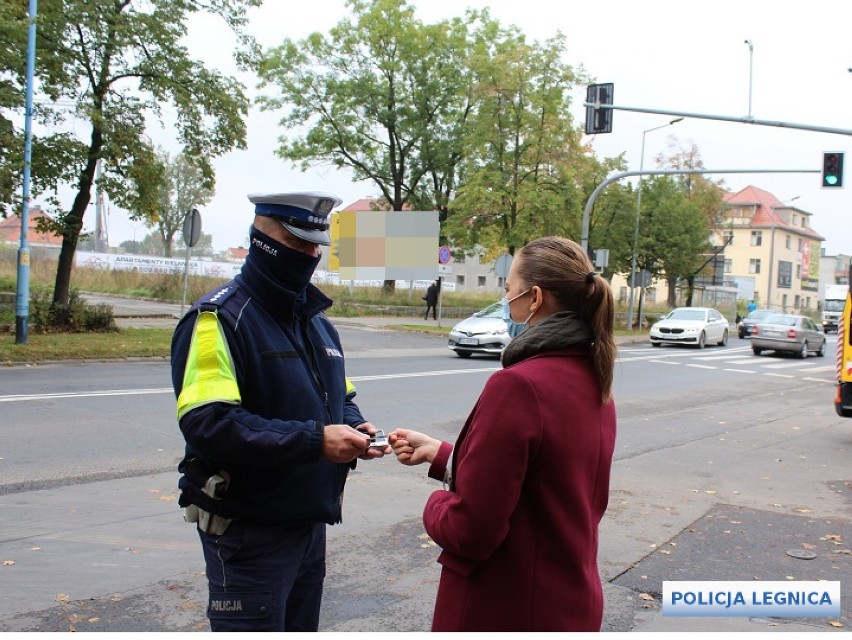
pixel 832 305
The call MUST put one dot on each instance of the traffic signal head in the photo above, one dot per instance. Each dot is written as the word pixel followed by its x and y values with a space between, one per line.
pixel 832 169
pixel 598 119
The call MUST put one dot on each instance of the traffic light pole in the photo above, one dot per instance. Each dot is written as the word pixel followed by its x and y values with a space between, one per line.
pixel 590 203
pixel 708 116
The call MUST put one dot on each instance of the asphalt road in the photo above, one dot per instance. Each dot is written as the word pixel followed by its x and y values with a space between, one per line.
pixel 724 462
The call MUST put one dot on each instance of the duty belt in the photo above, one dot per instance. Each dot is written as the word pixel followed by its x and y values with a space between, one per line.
pixel 213 485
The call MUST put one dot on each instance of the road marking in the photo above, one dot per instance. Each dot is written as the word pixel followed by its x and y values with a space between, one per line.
pixel 717 357
pixel 422 374
pixel 782 365
pixel 731 356
pixel 139 392
pixel 86 394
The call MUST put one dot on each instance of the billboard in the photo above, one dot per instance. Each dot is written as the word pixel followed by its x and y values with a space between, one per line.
pixel 385 245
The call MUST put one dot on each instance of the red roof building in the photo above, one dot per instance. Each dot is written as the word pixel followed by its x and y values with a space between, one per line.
pixel 235 254
pixel 771 250
pixel 10 230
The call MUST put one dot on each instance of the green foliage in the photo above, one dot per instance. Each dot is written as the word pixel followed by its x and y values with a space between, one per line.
pixel 185 186
pixel 76 317
pixel 119 64
pixel 367 95
pixel 674 230
pixel 521 136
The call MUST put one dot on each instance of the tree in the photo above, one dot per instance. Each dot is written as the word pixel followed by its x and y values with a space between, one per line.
pixel 152 245
pixel 184 187
pixel 382 94
pixel 204 246
pixel 130 246
pixel 118 63
pixel 703 193
pixel 520 144
pixel 675 231
pixel 53 152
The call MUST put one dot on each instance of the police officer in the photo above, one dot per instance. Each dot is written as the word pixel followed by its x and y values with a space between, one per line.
pixel 270 424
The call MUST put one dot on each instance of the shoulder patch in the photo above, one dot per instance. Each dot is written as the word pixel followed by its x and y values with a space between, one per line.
pixel 218 297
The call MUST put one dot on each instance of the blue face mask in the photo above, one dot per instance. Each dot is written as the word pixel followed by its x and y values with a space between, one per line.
pixel 514 328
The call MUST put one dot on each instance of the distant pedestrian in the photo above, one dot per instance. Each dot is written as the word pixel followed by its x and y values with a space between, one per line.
pixel 751 306
pixel 431 298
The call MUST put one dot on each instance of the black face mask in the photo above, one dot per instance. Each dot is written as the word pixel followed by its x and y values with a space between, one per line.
pixel 290 268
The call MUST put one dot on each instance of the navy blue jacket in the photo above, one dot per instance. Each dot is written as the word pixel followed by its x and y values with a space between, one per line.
pixel 290 371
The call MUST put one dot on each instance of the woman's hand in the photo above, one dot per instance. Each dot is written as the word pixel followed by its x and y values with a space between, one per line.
pixel 413 447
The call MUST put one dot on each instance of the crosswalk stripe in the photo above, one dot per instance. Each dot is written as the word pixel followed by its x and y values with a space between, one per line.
pixel 830 367
pixel 782 365
pixel 722 357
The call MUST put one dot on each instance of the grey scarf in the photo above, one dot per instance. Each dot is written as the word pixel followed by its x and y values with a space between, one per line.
pixel 557 331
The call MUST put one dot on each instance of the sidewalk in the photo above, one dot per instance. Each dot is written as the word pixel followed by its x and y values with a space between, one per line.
pixel 142 314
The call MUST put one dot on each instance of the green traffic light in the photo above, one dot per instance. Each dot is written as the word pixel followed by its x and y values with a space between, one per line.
pixel 831 180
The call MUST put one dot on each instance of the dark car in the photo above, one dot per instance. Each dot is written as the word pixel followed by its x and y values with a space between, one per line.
pixel 746 324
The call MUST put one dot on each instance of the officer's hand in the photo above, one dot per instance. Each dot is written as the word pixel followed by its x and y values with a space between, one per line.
pixel 413 447
pixel 341 443
pixel 373 452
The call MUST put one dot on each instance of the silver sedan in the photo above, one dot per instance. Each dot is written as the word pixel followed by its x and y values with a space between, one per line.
pixel 485 332
pixel 793 334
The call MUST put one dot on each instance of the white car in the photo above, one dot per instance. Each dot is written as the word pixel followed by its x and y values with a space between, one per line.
pixel 485 333
pixel 691 325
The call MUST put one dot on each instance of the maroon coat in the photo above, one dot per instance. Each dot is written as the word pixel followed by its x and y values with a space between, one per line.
pixel 519 527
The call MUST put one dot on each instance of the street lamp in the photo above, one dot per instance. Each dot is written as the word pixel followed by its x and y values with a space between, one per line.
pixel 772 251
pixel 638 212
pixel 750 73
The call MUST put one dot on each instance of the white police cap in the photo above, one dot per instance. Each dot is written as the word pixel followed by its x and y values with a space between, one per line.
pixel 304 214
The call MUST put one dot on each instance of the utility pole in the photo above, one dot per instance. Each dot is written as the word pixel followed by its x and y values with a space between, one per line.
pixel 22 300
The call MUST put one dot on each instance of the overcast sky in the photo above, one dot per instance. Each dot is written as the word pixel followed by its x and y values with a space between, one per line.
pixel 669 55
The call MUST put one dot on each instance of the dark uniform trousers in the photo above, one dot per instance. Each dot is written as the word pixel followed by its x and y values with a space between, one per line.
pixel 265 577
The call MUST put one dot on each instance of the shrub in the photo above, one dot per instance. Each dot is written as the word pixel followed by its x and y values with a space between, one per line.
pixel 77 317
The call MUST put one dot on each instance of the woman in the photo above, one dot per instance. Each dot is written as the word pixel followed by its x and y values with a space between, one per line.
pixel 529 478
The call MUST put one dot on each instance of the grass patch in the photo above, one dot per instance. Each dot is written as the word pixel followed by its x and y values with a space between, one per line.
pixel 445 327
pixel 124 343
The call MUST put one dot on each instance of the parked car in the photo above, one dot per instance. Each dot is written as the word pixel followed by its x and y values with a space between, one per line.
pixel 691 325
pixel 751 319
pixel 789 333
pixel 484 332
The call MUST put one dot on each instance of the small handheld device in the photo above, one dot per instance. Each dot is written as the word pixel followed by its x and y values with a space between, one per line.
pixel 379 440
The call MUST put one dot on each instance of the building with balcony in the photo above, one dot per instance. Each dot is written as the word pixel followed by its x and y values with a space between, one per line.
pixel 770 251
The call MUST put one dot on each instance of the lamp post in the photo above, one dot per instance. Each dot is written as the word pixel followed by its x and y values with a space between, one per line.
pixel 772 253
pixel 750 73
pixel 22 297
pixel 638 213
